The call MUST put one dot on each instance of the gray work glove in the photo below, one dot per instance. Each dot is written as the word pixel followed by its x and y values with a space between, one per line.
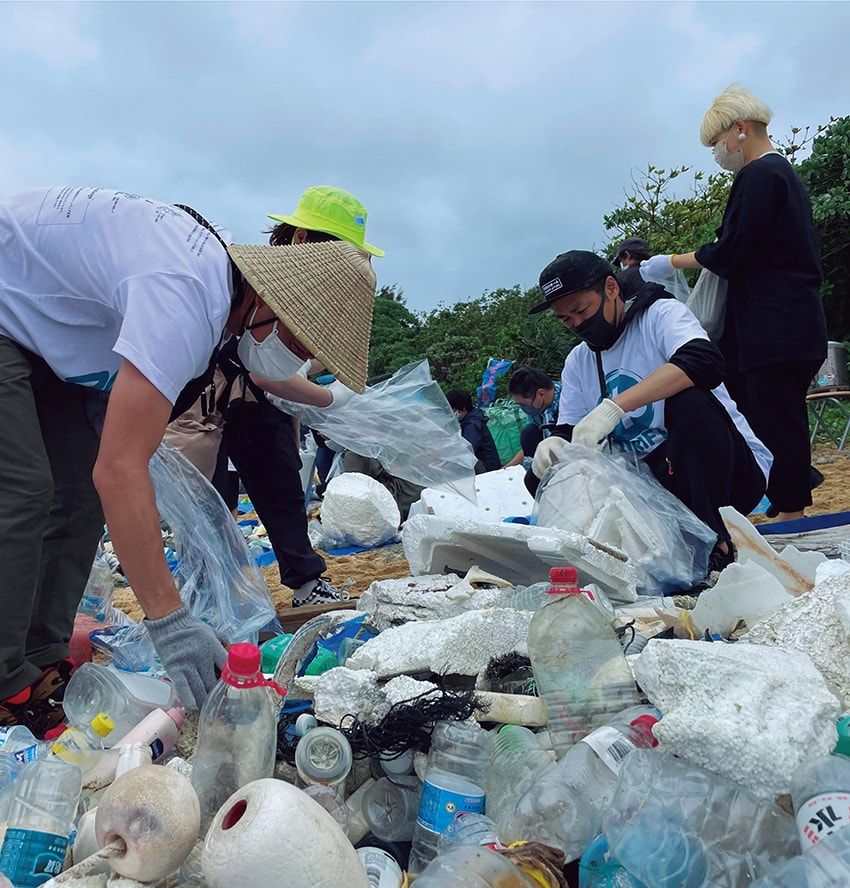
pixel 190 653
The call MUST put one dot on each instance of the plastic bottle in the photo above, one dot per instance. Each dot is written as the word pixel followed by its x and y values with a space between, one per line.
pixel 471 866
pixel 826 865
pixel 272 650
pixel 578 663
pixel 564 805
pixel 331 800
pixel 527 598
pixel 97 597
pixel 323 755
pixel 81 747
pixel 454 781
pixel 821 799
pixel 127 697
pixel 390 807
pixel 671 823
pixel 382 871
pixel 40 820
pixel 159 730
pixel 18 743
pixel 514 759
pixel 469 829
pixel 237 732
pixel 598 869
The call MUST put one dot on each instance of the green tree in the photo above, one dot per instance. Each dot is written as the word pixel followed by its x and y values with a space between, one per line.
pixel 395 332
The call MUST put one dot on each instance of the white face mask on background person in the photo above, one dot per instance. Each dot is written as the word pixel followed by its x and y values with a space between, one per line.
pixel 733 161
pixel 269 358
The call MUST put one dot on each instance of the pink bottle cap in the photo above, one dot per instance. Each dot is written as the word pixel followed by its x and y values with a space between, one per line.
pixel 243 659
pixel 177 716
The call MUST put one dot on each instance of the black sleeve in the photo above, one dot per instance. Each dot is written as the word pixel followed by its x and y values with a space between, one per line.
pixel 702 362
pixel 532 482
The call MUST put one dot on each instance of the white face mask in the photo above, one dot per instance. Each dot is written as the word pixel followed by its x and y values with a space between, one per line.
pixel 733 161
pixel 269 358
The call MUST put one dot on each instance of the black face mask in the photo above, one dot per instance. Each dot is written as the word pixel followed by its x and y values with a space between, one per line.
pixel 598 332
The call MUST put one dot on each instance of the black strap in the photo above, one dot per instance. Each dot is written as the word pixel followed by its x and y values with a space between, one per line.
pixel 235 274
pixel 600 373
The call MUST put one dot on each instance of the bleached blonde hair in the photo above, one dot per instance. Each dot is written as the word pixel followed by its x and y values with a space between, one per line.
pixel 734 103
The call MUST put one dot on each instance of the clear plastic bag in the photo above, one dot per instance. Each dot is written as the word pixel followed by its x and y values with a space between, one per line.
pixel 406 423
pixel 675 283
pixel 708 302
pixel 218 579
pixel 615 502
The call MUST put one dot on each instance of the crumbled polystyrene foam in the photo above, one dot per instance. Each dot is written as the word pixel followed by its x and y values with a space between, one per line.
pixel 813 624
pixel 359 510
pixel 345 692
pixel 499 495
pixel 435 597
pixel 753 713
pixel 460 645
pixel 403 688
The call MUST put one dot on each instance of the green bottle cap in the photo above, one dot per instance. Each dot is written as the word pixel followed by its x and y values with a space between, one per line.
pixel 272 651
pixel 843 745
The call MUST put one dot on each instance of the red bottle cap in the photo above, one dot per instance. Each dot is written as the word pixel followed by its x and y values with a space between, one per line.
pixel 243 659
pixel 646 722
pixel 563 580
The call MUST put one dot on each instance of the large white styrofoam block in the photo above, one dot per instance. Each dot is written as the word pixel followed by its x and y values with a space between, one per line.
pixel 359 510
pixel 743 592
pixel 519 553
pixel 816 624
pixel 435 597
pixel 461 645
pixel 342 692
pixel 404 688
pixel 753 713
pixel 500 495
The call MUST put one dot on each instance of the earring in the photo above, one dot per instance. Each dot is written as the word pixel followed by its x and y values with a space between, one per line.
pixel 741 137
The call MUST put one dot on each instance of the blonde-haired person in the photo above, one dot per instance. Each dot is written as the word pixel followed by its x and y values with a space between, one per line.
pixel 774 338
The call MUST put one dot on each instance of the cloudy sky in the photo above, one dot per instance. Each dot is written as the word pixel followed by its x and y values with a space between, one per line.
pixel 483 137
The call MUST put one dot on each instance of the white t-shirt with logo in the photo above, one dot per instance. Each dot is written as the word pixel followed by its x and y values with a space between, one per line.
pixel 89 276
pixel 648 342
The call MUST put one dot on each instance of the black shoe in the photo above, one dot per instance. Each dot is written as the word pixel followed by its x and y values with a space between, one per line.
pixel 323 592
pixel 719 560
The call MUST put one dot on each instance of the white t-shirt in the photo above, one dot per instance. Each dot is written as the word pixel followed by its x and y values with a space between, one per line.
pixel 648 342
pixel 89 275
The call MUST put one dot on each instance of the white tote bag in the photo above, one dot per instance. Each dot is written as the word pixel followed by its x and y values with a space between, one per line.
pixel 708 302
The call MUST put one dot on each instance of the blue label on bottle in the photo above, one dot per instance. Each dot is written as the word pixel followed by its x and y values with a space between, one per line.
pixel 30 858
pixel 26 755
pixel 438 807
pixel 157 749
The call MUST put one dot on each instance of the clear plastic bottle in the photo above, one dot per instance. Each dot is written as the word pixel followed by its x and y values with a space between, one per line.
pixel 564 805
pixel 826 865
pixel 468 829
pixel 578 663
pixel 323 755
pixel 474 866
pixel 237 732
pixel 527 598
pixel 82 747
pixel 97 597
pixel 671 823
pixel 332 801
pixel 514 759
pixel 390 807
pixel 40 820
pixel 382 871
pixel 821 799
pixel 454 781
pixel 18 743
pixel 598 869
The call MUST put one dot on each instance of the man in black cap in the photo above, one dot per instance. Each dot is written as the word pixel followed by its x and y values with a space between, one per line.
pixel 631 252
pixel 647 379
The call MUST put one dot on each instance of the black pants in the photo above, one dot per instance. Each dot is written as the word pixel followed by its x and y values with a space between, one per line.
pixel 261 444
pixel 530 436
pixel 773 399
pixel 705 461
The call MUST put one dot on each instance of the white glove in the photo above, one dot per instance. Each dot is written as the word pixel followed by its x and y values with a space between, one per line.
pixel 341 394
pixel 598 424
pixel 549 451
pixel 304 369
pixel 657 267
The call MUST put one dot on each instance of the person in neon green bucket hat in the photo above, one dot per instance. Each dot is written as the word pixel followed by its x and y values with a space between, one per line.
pixel 331 211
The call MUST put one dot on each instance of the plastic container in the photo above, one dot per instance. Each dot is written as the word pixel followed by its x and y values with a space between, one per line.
pixel 18 743
pixel 332 802
pixel 565 803
pixel 390 807
pixel 469 829
pixel 821 799
pixel 382 870
pixel 454 781
pixel 323 755
pixel 827 865
pixel 527 598
pixel 598 869
pixel 83 748
pixel 97 596
pixel 672 823
pixel 471 866
pixel 40 820
pixel 237 732
pixel 514 759
pixel 578 662
pixel 127 696
pixel 272 650
pixel 158 730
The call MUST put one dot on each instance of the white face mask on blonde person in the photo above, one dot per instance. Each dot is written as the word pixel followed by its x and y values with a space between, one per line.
pixel 733 161
pixel 269 358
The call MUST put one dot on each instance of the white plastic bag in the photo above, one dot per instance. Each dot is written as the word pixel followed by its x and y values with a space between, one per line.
pixel 609 499
pixel 406 423
pixel 676 284
pixel 217 576
pixel 708 302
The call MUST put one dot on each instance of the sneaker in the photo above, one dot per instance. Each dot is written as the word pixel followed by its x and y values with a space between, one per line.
pixel 718 559
pixel 323 592
pixel 39 706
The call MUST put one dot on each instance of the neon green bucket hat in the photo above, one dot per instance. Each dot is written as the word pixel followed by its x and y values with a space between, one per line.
pixel 332 211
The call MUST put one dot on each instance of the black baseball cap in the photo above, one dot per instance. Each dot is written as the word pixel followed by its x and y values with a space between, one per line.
pixel 634 245
pixel 569 273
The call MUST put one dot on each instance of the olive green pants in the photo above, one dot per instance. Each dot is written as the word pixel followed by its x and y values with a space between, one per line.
pixel 50 515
